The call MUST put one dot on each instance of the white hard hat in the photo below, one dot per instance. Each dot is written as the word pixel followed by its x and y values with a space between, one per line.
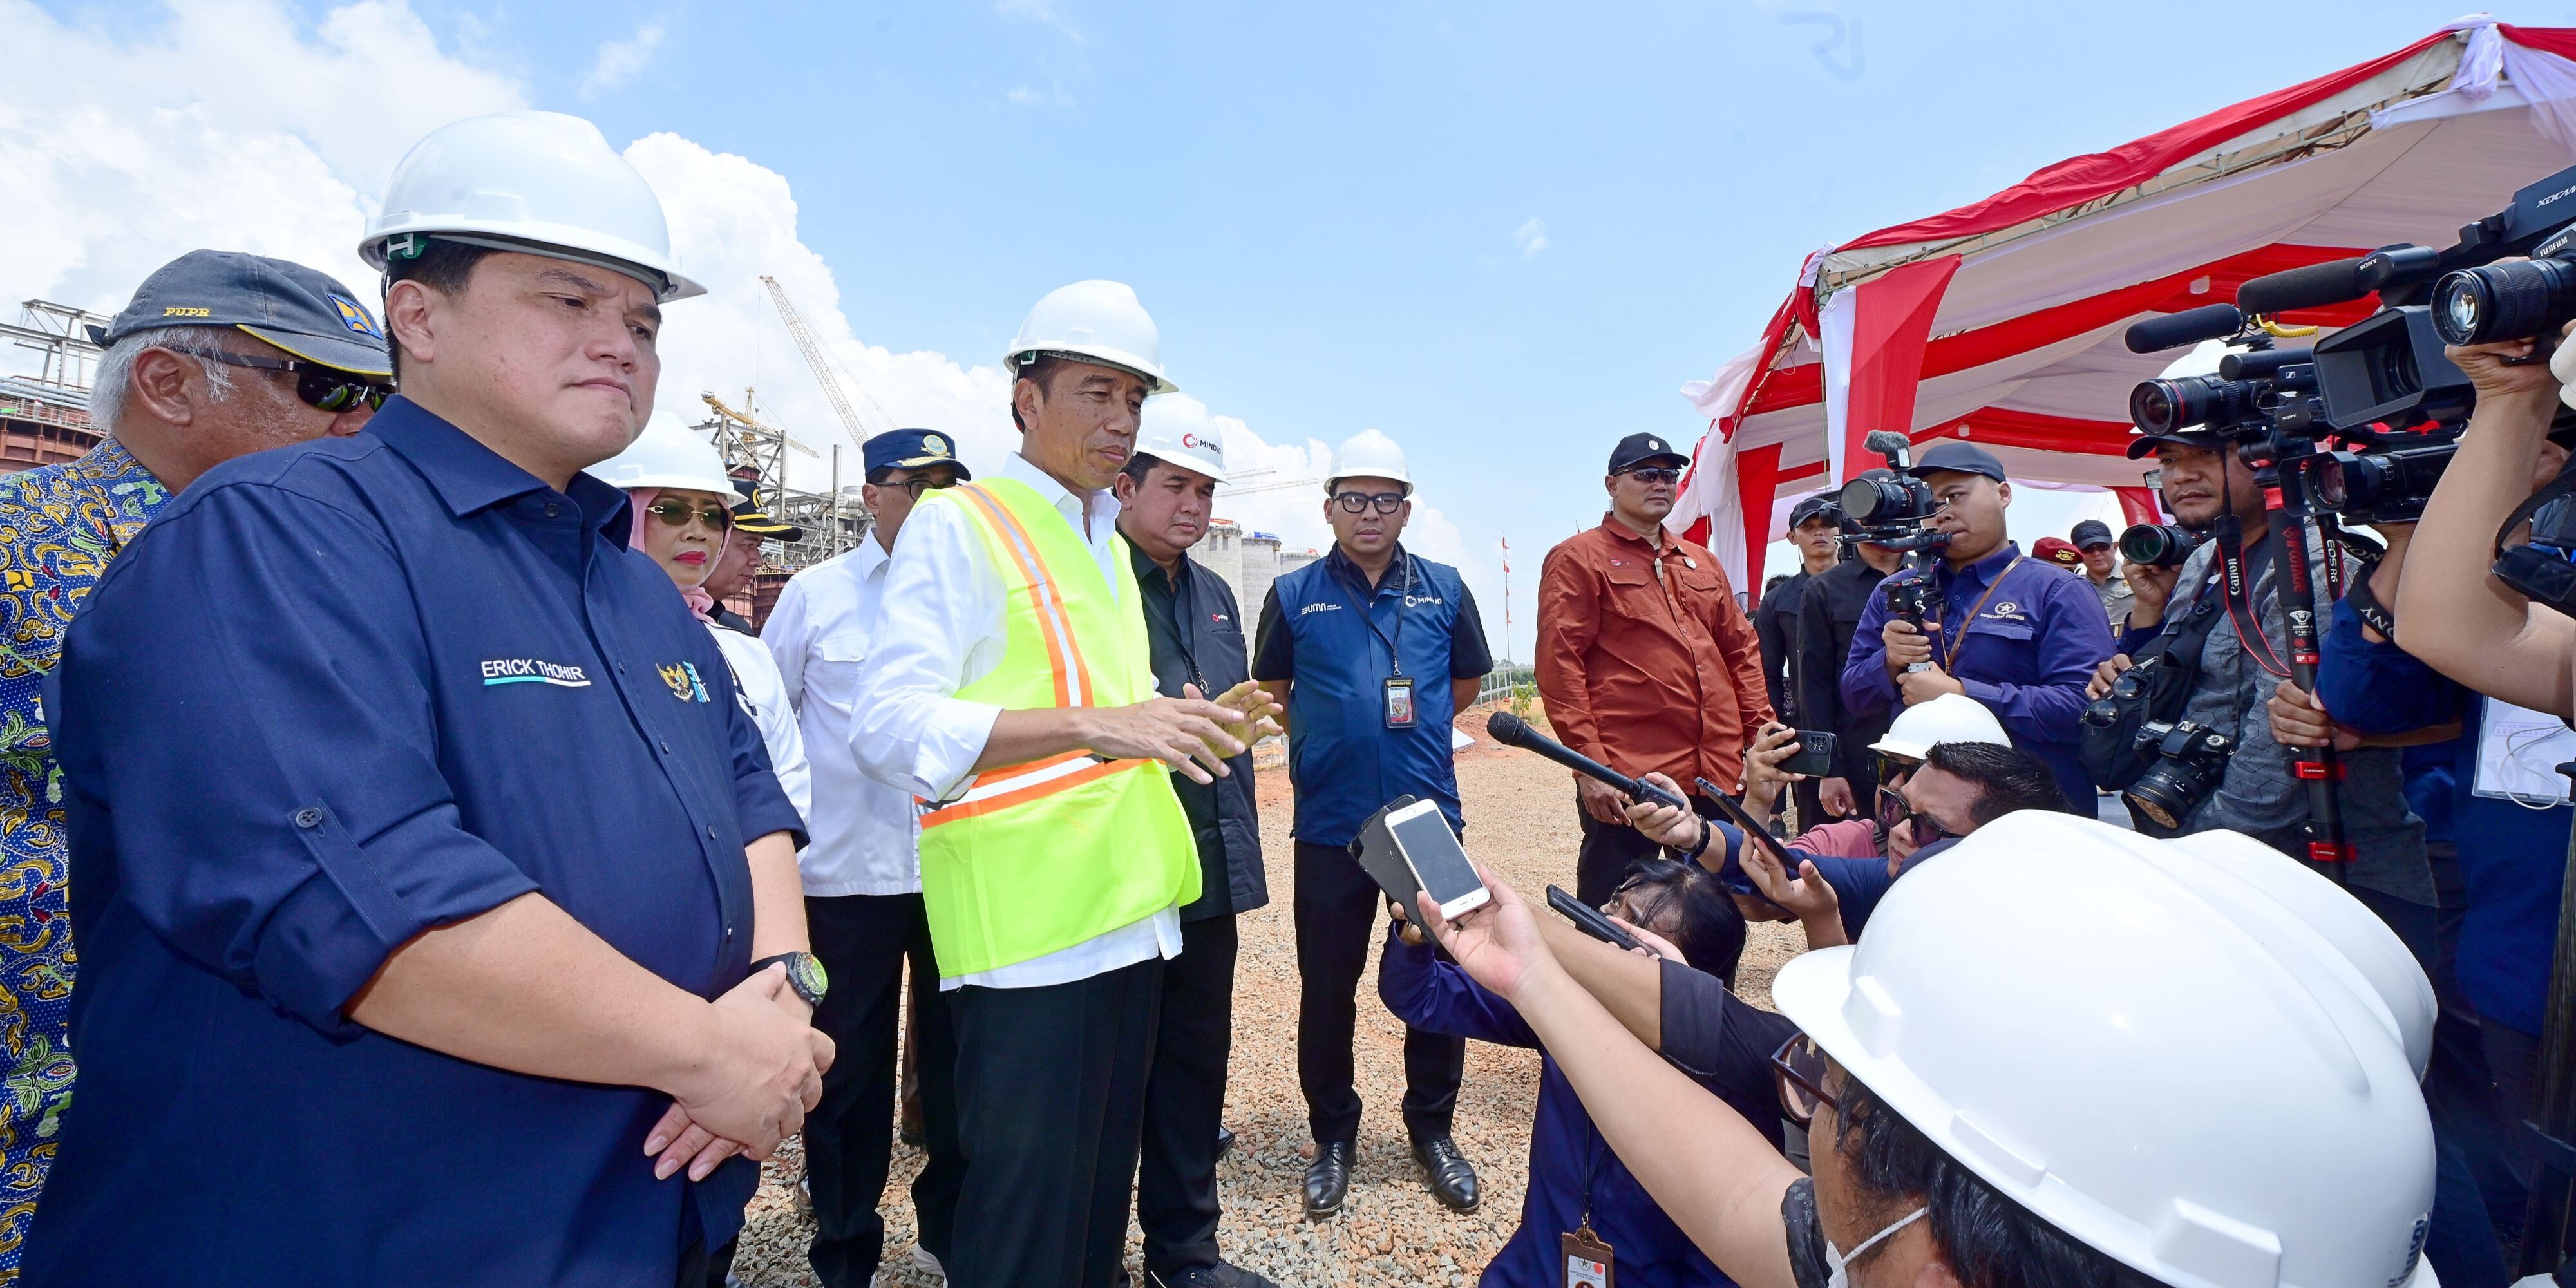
pixel 1951 717
pixel 1191 446
pixel 1368 454
pixel 1097 322
pixel 539 182
pixel 2171 1054
pixel 667 455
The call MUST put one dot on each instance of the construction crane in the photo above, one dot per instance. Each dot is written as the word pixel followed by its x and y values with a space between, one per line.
pixel 826 373
pixel 1276 485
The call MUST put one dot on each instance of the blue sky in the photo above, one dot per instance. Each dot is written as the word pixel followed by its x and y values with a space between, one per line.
pixel 1501 233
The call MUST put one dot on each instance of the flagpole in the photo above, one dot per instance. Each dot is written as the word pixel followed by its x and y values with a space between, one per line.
pixel 1507 597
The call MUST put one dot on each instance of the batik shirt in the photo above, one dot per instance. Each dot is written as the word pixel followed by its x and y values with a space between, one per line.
pixel 59 526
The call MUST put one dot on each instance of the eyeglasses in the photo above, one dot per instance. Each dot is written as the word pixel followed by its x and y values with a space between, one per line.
pixel 1359 502
pixel 1893 769
pixel 915 487
pixel 1893 809
pixel 322 388
pixel 676 513
pixel 1798 1068
pixel 1654 474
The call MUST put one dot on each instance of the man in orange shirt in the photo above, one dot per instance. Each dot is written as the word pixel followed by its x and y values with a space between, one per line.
pixel 1645 660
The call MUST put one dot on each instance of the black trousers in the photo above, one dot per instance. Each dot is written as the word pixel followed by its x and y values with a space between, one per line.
pixel 864 941
pixel 1603 861
pixel 1050 1101
pixel 1176 1202
pixel 1338 913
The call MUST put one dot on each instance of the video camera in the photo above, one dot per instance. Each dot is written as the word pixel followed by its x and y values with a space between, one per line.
pixel 1891 511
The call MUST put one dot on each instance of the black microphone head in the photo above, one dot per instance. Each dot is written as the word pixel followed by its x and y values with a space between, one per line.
pixel 1886 440
pixel 2191 326
pixel 2337 281
pixel 1506 728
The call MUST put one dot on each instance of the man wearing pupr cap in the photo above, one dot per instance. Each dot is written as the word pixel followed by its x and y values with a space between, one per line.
pixel 1645 660
pixel 219 354
pixel 2016 634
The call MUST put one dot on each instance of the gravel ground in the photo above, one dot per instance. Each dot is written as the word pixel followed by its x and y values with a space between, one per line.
pixel 1520 814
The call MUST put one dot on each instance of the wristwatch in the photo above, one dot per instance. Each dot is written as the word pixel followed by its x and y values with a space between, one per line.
pixel 804 974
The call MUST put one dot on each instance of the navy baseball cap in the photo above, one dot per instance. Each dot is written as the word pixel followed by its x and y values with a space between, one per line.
pixel 2091 533
pixel 307 314
pixel 1820 506
pixel 911 449
pixel 1645 449
pixel 1958 458
pixel 2145 444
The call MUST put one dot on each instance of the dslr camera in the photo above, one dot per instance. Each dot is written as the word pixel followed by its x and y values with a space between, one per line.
pixel 2188 759
pixel 2159 545
pixel 1891 512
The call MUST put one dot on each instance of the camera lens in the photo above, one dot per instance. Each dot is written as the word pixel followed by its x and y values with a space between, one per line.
pixel 2328 483
pixel 2157 545
pixel 1872 500
pixel 2152 405
pixel 2504 301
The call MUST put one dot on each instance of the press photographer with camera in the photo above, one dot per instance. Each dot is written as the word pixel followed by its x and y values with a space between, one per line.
pixel 2019 636
pixel 1829 613
pixel 2218 659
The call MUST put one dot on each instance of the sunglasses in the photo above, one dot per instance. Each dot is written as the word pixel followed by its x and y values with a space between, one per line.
pixel 676 513
pixel 1359 502
pixel 1893 809
pixel 915 487
pixel 322 388
pixel 1654 474
pixel 1798 1068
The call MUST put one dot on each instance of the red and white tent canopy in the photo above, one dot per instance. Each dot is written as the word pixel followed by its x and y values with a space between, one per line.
pixel 2000 322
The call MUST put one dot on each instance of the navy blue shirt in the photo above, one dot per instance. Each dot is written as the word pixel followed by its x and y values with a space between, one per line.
pixel 2025 646
pixel 2512 859
pixel 336 695
pixel 1343 760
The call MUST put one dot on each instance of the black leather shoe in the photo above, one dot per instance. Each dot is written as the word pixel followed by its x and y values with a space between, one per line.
pixel 1224 1140
pixel 1328 1178
pixel 1219 1275
pixel 1453 1179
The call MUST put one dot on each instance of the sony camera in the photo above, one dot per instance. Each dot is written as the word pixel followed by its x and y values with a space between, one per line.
pixel 2252 393
pixel 2159 545
pixel 1889 507
pixel 2186 761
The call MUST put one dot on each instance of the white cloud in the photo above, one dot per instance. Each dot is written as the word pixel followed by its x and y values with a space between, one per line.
pixel 1031 96
pixel 1531 236
pixel 1041 12
pixel 620 60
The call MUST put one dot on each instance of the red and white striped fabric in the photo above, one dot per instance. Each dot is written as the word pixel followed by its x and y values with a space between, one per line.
pixel 2000 322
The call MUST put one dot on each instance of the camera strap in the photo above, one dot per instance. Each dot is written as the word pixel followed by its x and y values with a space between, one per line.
pixel 2237 592
pixel 2555 488
pixel 1958 635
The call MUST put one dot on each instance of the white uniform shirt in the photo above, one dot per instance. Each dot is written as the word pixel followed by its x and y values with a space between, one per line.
pixel 821 632
pixel 942 629
pixel 755 678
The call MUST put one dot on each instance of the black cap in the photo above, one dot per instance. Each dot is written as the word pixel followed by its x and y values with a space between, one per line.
pixel 2091 533
pixel 1645 449
pixel 1958 458
pixel 1820 506
pixel 2145 444
pixel 307 314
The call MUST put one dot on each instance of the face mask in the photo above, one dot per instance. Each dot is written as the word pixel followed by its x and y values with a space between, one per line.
pixel 1837 1264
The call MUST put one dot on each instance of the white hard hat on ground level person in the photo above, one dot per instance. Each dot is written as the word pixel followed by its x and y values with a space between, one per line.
pixel 541 183
pixel 1096 322
pixel 1368 454
pixel 2178 1054
pixel 1192 447
pixel 667 455
pixel 1951 717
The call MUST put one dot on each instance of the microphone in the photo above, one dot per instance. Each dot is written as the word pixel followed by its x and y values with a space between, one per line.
pixel 2191 326
pixel 1512 731
pixel 1883 441
pixel 2337 281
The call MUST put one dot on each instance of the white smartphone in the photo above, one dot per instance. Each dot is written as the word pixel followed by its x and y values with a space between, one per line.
pixel 1422 835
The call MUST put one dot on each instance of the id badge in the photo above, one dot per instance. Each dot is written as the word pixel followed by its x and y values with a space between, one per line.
pixel 1399 702
pixel 1588 1261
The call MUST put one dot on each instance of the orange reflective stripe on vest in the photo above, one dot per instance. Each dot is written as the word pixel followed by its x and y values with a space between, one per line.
pixel 1073 687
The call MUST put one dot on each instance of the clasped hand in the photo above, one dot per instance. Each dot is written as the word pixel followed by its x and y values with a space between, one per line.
pixel 1192 733
pixel 760 1068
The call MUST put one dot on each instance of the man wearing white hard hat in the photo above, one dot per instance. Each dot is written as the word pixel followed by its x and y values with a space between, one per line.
pixel 1375 651
pixel 474 905
pixel 1194 630
pixel 2220 1093
pixel 1014 694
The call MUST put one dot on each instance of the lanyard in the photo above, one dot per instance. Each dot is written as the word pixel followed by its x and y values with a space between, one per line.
pixel 1959 637
pixel 1394 660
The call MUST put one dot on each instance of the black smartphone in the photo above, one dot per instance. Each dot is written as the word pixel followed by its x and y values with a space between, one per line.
pixel 1733 809
pixel 1815 756
pixel 1589 920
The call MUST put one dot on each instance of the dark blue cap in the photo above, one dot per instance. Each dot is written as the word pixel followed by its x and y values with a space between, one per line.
pixel 1959 458
pixel 1823 505
pixel 912 449
pixel 1645 449
pixel 2091 533
pixel 307 314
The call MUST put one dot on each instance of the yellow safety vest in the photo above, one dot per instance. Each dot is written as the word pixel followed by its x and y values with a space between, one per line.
pixel 1041 856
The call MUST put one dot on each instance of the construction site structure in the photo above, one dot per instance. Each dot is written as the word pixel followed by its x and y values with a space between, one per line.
pixel 44 418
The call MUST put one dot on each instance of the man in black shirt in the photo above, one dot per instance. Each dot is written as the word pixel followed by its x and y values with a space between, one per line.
pixel 1829 609
pixel 1195 632
pixel 1814 523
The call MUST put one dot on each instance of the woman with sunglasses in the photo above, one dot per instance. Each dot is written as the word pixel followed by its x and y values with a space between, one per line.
pixel 682 503
pixel 1576 1181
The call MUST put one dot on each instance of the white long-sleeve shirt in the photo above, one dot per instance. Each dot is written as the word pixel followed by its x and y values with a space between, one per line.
pixel 942 629
pixel 822 631
pixel 755 677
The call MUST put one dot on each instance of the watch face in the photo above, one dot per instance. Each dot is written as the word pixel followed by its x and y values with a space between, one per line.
pixel 806 970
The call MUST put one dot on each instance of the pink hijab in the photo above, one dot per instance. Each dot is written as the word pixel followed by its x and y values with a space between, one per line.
pixel 697 598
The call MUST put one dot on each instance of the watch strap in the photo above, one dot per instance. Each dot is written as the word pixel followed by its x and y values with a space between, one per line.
pixel 804 974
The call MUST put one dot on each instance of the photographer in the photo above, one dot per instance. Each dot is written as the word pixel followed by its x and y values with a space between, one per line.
pixel 2017 635
pixel 1829 613
pixel 2462 621
pixel 2231 654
